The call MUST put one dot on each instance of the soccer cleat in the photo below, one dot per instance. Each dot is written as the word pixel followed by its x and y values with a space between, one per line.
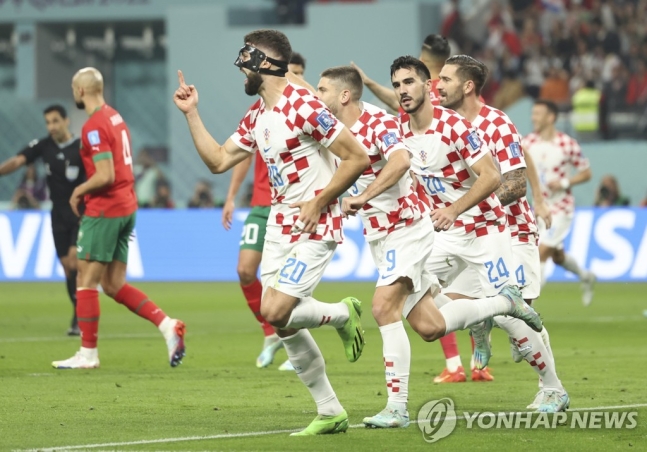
pixel 78 361
pixel 387 418
pixel 588 281
pixel 480 332
pixel 514 350
pixel 538 398
pixel 175 343
pixel 352 334
pixel 324 425
pixel 482 375
pixel 267 355
pixel 554 401
pixel 451 377
pixel 287 366
pixel 520 309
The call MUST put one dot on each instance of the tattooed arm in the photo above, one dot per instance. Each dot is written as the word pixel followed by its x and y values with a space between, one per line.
pixel 513 186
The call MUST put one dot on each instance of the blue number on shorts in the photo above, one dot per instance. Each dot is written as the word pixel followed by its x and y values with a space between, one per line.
pixel 434 185
pixel 500 268
pixel 275 176
pixel 293 274
pixel 521 277
pixel 354 190
pixel 390 258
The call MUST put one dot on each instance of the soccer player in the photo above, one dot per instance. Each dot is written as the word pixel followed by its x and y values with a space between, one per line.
pixel 107 224
pixel 253 238
pixel 435 50
pixel 60 153
pixel 461 81
pixel 557 156
pixel 297 137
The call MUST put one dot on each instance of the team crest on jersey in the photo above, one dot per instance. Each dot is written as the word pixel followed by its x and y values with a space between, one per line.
pixel 515 149
pixel 474 140
pixel 390 139
pixel 423 157
pixel 93 137
pixel 325 120
pixel 266 135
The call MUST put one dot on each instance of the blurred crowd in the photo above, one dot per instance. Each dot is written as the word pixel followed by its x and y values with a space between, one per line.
pixel 588 56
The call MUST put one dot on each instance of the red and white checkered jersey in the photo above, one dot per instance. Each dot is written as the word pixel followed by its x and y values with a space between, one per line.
pixel 399 206
pixel 292 138
pixel 441 160
pixel 504 142
pixel 555 160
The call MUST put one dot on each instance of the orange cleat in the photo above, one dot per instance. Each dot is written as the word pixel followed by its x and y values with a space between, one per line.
pixel 451 377
pixel 482 375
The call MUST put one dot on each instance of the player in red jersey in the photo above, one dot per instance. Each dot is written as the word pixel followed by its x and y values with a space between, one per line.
pixel 435 50
pixel 107 224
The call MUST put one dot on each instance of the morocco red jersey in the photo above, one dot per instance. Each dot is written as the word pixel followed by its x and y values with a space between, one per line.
pixel 262 195
pixel 106 136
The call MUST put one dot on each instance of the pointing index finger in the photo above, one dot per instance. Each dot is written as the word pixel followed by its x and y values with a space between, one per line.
pixel 180 77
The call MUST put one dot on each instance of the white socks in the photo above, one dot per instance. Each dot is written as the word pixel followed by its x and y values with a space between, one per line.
pixel 166 326
pixel 572 266
pixel 309 365
pixel 441 300
pixel 531 346
pixel 460 314
pixel 311 313
pixel 397 363
pixel 90 353
pixel 453 363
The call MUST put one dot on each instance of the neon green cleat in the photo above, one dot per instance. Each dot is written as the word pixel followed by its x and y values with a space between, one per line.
pixel 352 334
pixel 325 425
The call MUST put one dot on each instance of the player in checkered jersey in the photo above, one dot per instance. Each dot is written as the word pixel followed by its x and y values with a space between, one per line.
pixel 560 165
pixel 456 173
pixel 298 137
pixel 461 81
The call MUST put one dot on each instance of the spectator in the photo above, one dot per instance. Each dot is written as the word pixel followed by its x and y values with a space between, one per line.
pixel 637 89
pixel 146 178
pixel 510 91
pixel 31 191
pixel 555 88
pixel 163 195
pixel 202 195
pixel 586 108
pixel 608 194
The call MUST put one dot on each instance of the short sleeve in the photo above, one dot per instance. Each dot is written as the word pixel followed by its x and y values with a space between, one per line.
pixel 243 136
pixel 33 151
pixel 389 137
pixel 468 143
pixel 316 120
pixel 96 142
pixel 509 152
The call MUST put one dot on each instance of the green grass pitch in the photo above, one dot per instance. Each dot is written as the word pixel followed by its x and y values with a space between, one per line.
pixel 218 392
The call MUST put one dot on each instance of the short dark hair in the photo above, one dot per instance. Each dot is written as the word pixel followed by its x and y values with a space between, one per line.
pixel 273 40
pixel 410 62
pixel 550 105
pixel 349 78
pixel 437 46
pixel 470 69
pixel 297 58
pixel 56 107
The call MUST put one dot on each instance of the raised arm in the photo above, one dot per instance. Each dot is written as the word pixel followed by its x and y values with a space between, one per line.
pixel 384 93
pixel 218 158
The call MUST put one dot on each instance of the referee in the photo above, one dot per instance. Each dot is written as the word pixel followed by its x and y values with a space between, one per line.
pixel 60 153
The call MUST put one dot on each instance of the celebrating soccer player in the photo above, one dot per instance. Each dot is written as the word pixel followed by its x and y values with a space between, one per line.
pixel 461 81
pixel 107 224
pixel 296 135
pixel 60 152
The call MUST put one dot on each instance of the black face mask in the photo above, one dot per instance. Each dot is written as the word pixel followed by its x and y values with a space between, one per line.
pixel 256 57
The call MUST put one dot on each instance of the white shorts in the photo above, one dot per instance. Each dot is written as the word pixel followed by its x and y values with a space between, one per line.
pixel 488 258
pixel 554 237
pixel 524 272
pixel 404 253
pixel 295 269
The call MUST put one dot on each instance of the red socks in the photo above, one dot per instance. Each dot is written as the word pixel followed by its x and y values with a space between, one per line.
pixel 450 347
pixel 138 302
pixel 253 294
pixel 87 312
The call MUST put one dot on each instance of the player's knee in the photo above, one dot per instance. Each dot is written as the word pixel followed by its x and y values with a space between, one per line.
pixel 246 275
pixel 558 257
pixel 275 316
pixel 111 289
pixel 428 331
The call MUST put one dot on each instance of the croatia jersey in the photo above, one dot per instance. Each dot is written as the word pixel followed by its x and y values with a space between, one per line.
pixel 441 160
pixel 555 160
pixel 293 139
pixel 504 142
pixel 399 206
pixel 105 135
pixel 261 194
